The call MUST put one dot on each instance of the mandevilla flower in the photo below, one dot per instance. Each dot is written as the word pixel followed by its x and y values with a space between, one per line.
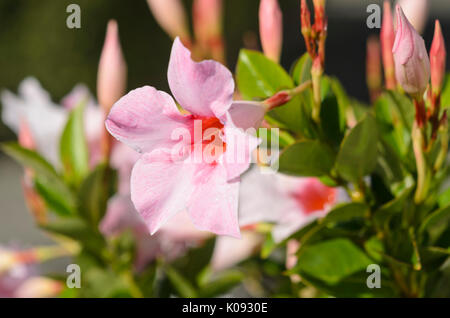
pixel 300 201
pixel 412 66
pixel 200 172
pixel 271 28
pixel 438 56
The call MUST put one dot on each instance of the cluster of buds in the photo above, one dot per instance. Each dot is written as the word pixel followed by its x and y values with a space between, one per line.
pixel 316 34
pixel 413 69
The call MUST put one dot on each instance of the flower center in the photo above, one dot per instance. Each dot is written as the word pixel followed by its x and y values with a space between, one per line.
pixel 207 138
pixel 313 196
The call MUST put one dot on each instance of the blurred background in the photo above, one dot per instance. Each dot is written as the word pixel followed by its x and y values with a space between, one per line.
pixel 34 41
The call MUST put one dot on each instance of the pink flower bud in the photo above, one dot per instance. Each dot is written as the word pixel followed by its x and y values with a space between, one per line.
pixel 207 19
pixel 387 42
pixel 412 66
pixel 171 16
pixel 416 11
pixel 438 56
pixel 373 67
pixel 271 28
pixel 112 69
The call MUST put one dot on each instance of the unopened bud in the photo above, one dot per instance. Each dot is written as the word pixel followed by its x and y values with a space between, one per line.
pixel 112 69
pixel 412 66
pixel 171 16
pixel 438 57
pixel 271 28
pixel 373 67
pixel 387 37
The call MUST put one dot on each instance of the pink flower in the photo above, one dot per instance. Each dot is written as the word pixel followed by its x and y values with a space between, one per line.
pixel 412 66
pixel 271 28
pixel 289 202
pixel 438 57
pixel 163 182
pixel 112 69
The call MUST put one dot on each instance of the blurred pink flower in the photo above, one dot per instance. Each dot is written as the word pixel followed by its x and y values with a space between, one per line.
pixel 162 185
pixel 46 120
pixel 12 273
pixel 298 202
pixel 271 28
pixel 412 66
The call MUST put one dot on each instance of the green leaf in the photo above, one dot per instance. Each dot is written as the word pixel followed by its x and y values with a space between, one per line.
pixel 330 120
pixel 77 230
pixel 331 261
pixel 354 286
pixel 59 200
pixel 347 212
pixel 181 284
pixel 445 95
pixel 301 71
pixel 394 120
pixel 268 246
pixel 306 158
pixel 30 159
pixel 395 206
pixel 73 147
pixel 358 154
pixel 436 223
pixel 221 284
pixel 444 198
pixel 48 182
pixel 260 77
pixel 95 192
pixel 195 260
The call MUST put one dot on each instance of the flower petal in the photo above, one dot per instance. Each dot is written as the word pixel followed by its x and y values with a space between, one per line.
pixel 145 119
pixel 247 115
pixel 204 89
pixel 213 205
pixel 239 149
pixel 160 187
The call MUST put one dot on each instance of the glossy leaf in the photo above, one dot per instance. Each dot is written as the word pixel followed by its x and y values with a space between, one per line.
pixel 358 153
pixel 73 147
pixel 306 158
